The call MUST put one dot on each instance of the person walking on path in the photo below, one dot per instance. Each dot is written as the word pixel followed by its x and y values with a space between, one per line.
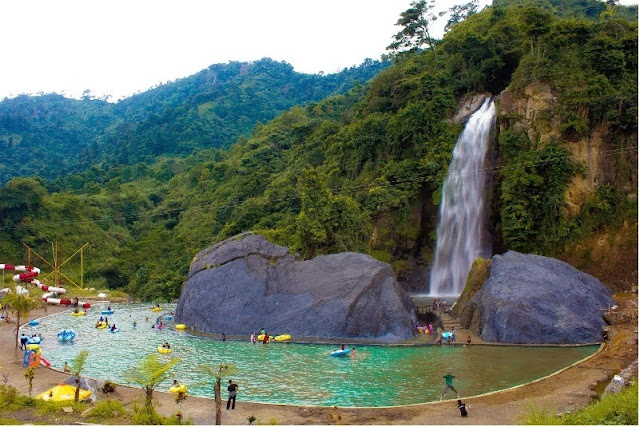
pixel 233 391
pixel 448 380
pixel 463 408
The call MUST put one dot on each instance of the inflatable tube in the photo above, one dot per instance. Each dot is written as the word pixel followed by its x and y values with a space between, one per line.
pixel 106 312
pixel 260 337
pixel 80 313
pixel 44 362
pixel 163 350
pixel 113 331
pixel 181 326
pixel 66 335
pixel 102 325
pixel 168 317
pixel 338 353
pixel 181 388
pixel 28 275
pixel 156 309
pixel 33 346
pixel 447 335
pixel 33 323
pixel 285 337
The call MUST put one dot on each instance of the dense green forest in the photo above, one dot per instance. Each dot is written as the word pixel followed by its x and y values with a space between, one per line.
pixel 359 171
pixel 51 136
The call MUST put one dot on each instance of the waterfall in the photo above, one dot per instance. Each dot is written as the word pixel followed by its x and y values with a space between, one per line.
pixel 462 217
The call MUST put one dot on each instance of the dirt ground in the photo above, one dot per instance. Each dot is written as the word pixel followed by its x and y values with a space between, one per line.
pixel 568 390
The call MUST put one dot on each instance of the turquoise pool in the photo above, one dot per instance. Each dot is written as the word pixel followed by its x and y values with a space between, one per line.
pixel 301 374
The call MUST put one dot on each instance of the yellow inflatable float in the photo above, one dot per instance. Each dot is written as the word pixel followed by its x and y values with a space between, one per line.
pixel 154 309
pixel 181 326
pixel 180 388
pixel 163 350
pixel 284 337
pixel 63 392
pixel 101 325
pixel 79 313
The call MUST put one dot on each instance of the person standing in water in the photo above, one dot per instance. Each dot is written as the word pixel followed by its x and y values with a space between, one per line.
pixel 448 380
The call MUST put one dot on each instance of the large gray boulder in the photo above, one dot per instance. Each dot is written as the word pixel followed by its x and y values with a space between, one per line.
pixel 531 299
pixel 245 283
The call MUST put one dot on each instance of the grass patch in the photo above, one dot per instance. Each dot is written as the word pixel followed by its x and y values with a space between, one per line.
pixel 44 407
pixel 612 409
pixel 9 421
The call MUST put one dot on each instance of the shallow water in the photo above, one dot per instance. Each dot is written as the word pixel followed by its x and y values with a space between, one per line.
pixel 302 374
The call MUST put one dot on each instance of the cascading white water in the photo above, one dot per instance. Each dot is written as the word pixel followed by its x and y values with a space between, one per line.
pixel 461 225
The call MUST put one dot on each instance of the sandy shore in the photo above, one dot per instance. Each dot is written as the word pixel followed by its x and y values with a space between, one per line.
pixel 569 390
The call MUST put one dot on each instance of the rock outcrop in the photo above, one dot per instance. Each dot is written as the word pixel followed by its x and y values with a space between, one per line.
pixel 531 299
pixel 245 283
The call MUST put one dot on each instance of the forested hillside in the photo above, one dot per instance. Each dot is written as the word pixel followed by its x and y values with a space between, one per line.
pixel 362 171
pixel 51 136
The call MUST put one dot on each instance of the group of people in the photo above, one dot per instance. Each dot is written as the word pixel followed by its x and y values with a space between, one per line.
pixel 425 329
pixel 440 305
pixel 166 345
pixel 24 339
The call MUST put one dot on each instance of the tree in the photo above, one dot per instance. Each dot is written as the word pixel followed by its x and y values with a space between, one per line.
pixel 216 373
pixel 21 305
pixel 77 365
pixel 149 374
pixel 459 13
pixel 415 22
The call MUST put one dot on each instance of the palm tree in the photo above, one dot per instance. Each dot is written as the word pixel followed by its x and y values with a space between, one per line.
pixel 77 365
pixel 149 374
pixel 216 373
pixel 21 304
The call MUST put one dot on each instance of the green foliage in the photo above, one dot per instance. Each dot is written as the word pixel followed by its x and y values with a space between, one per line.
pixel 533 184
pixel 347 172
pixel 147 415
pixel 11 400
pixel 107 409
pixel 211 108
pixel 618 409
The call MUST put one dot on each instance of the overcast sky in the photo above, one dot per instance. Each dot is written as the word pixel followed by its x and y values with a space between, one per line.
pixel 119 47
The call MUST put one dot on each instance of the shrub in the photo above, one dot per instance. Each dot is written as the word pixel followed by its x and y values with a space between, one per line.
pixel 108 387
pixel 147 415
pixel 11 400
pixel 107 409
pixel 620 408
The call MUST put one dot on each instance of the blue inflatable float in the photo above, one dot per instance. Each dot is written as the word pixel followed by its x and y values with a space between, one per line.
pixel 447 335
pixel 338 353
pixel 107 312
pixel 34 323
pixel 66 335
pixel 113 331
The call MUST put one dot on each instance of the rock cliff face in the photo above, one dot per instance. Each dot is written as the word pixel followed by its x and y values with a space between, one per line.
pixel 245 283
pixel 531 299
pixel 534 112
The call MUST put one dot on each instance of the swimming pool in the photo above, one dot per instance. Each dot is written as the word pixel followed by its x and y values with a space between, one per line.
pixel 301 374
